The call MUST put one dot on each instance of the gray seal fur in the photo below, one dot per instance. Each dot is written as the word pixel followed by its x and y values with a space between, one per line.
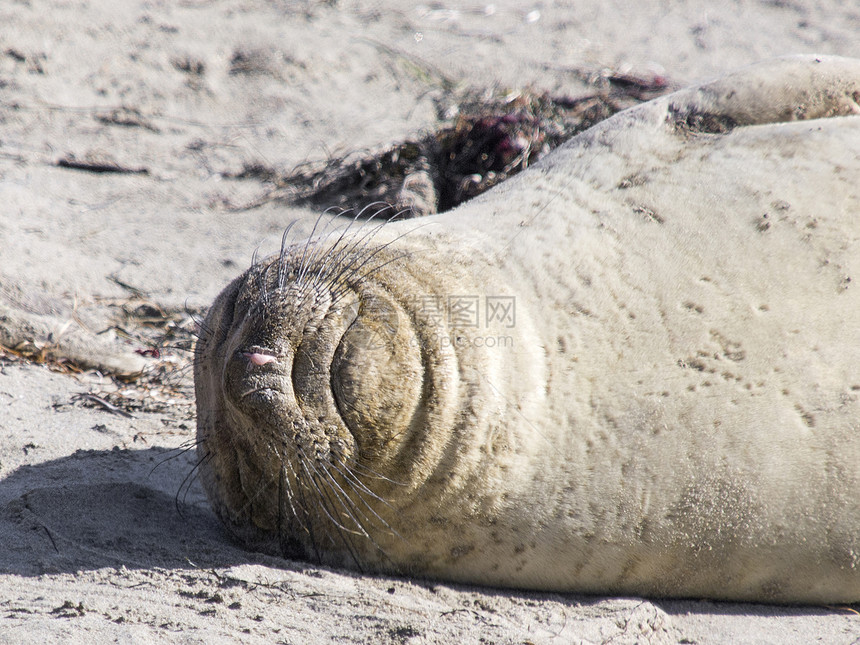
pixel 632 369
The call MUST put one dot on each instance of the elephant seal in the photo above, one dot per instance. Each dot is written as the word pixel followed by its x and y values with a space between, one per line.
pixel 632 369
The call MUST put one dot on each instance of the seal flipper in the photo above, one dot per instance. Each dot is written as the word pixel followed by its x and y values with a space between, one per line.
pixel 784 89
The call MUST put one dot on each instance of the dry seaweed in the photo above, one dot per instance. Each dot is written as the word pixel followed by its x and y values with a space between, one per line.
pixel 165 336
pixel 487 137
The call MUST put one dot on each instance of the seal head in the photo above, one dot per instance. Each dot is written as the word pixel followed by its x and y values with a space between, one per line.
pixel 331 403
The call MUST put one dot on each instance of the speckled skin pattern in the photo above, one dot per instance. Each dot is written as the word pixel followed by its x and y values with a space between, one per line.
pixel 632 369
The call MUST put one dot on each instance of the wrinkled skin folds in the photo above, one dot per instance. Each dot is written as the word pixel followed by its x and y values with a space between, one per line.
pixel 632 369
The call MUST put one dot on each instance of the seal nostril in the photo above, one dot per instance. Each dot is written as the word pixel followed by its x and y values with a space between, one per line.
pixel 259 359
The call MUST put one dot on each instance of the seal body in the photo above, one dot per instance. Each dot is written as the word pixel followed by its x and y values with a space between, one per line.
pixel 632 369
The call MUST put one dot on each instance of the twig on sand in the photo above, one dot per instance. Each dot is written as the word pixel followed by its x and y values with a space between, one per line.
pixel 99 166
pixel 110 407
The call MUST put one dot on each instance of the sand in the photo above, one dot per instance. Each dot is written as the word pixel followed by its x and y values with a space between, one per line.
pixel 105 538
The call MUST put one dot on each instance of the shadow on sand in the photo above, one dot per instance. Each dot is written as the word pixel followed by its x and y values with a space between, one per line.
pixel 120 508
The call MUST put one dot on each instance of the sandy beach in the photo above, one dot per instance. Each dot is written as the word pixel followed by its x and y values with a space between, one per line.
pixel 124 128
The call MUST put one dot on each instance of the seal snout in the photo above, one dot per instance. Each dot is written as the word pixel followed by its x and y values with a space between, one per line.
pixel 259 358
pixel 256 380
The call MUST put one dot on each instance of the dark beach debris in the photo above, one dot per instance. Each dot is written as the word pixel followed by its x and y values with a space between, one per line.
pixel 189 65
pixel 34 351
pixel 487 137
pixel 164 336
pixel 34 61
pixel 126 117
pixel 643 88
pixel 134 291
pixel 99 163
pixel 250 62
pixel 104 404
pixel 69 609
pixel 16 55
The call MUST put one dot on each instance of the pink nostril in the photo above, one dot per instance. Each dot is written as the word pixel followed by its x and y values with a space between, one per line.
pixel 259 359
